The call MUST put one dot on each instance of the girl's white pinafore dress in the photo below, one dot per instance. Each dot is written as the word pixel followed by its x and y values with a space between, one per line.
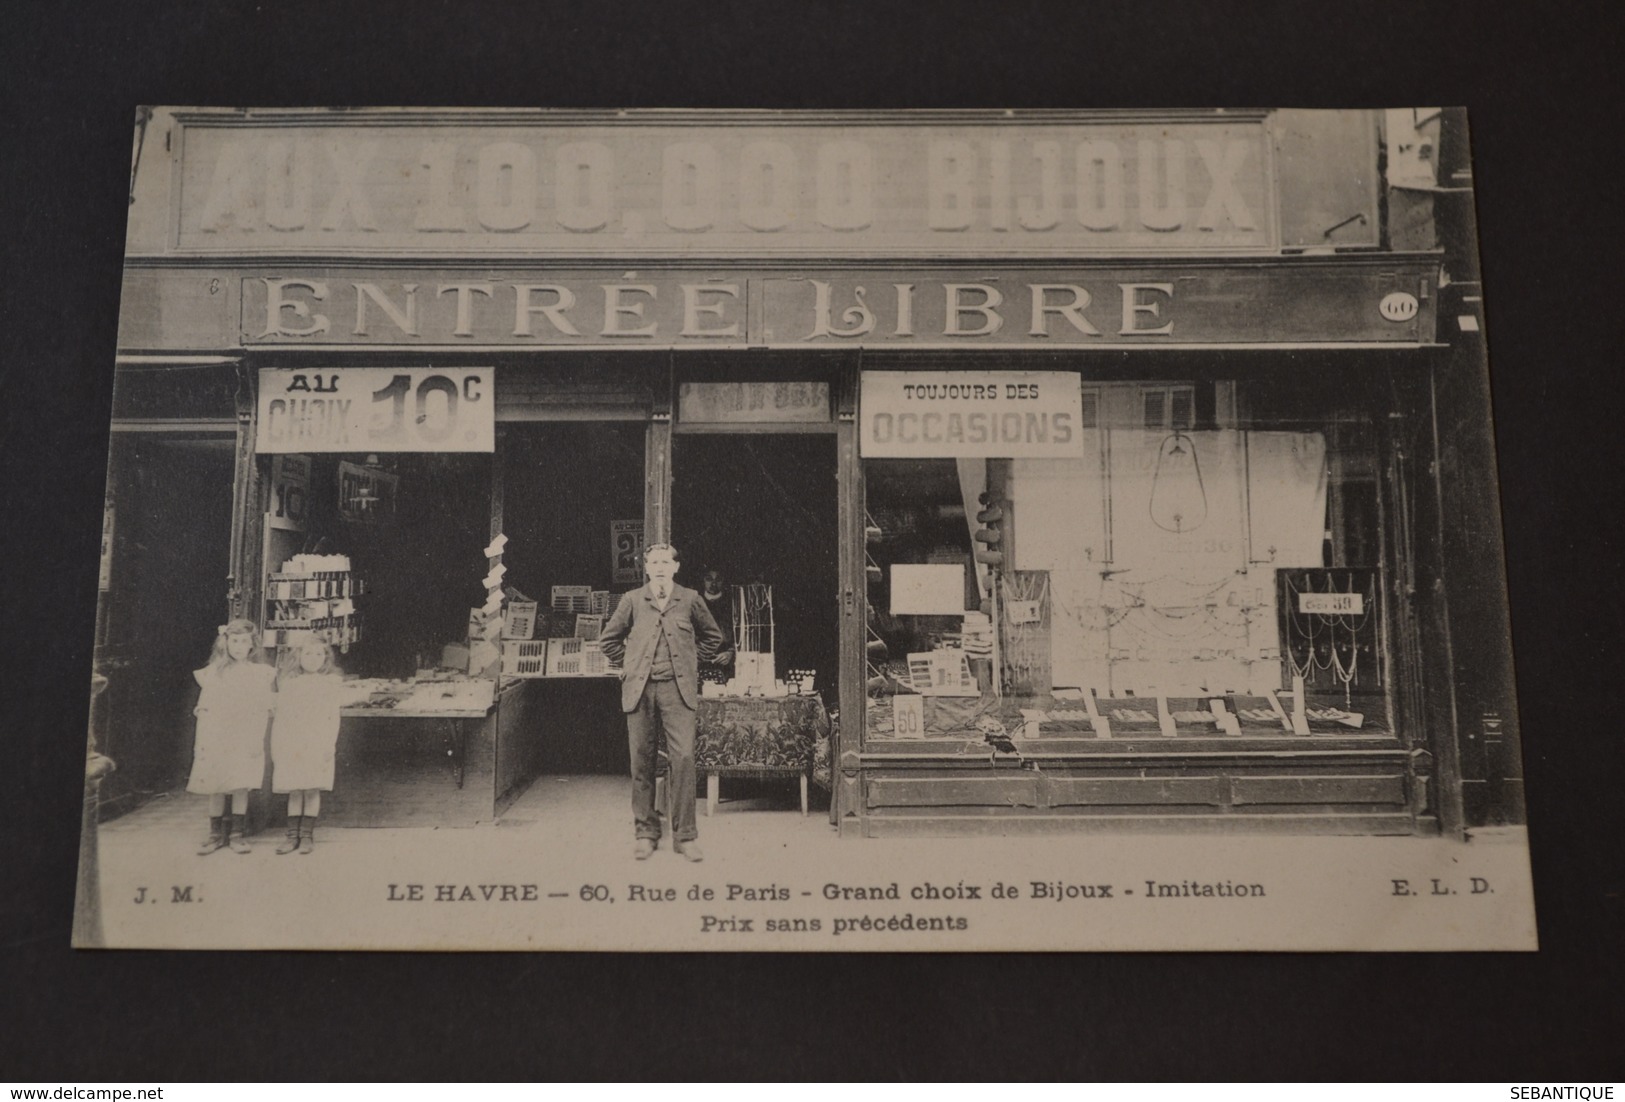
pixel 306 732
pixel 232 712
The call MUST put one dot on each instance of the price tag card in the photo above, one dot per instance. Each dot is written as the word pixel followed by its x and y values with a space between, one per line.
pixel 908 715
pixel 1332 604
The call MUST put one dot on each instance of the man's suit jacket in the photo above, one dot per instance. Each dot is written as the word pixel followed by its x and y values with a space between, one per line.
pixel 629 639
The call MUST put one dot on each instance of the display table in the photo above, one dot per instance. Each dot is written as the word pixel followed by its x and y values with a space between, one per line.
pixel 452 733
pixel 758 737
pixel 398 742
pixel 445 700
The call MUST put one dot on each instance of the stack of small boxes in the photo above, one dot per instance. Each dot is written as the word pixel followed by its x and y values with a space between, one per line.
pixel 312 597
pixel 522 654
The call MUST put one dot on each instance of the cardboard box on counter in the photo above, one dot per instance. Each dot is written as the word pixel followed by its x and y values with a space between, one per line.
pixel 520 620
pixel 484 658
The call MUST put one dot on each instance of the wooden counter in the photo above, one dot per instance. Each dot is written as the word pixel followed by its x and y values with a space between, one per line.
pixel 411 766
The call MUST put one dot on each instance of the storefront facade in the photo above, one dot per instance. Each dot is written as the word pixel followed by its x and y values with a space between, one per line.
pixel 1089 456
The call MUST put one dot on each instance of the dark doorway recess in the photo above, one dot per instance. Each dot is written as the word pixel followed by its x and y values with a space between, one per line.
pixel 761 508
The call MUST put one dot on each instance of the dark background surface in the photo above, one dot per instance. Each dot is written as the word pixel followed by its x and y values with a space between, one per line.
pixel 1545 127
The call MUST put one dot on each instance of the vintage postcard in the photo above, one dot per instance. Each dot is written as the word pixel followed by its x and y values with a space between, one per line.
pixel 702 530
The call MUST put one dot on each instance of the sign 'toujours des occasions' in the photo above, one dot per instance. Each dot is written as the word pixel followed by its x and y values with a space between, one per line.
pixel 967 414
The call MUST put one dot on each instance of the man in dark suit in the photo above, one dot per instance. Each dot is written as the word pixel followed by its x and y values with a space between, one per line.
pixel 657 637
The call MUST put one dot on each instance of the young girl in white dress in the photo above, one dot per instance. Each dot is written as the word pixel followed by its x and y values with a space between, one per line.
pixel 228 756
pixel 305 736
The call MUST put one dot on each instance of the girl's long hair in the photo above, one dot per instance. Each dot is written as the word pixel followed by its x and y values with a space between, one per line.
pixel 220 657
pixel 289 667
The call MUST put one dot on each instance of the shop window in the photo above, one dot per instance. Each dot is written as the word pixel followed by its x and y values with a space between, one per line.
pixel 1170 408
pixel 922 576
pixel 1153 407
pixel 1156 573
pixel 1090 417
pixel 403 536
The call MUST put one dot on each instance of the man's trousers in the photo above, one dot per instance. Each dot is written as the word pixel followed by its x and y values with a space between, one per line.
pixel 662 708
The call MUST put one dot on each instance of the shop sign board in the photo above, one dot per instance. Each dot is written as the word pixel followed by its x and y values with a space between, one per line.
pixel 968 414
pixel 747 402
pixel 376 409
pixel 778 187
pixel 1081 306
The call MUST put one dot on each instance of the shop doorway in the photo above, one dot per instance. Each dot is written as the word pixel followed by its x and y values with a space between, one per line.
pixel 761 508
pixel 165 578
pixel 568 488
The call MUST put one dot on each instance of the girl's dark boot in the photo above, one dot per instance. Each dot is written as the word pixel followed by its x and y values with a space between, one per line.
pixel 291 842
pixel 216 838
pixel 236 841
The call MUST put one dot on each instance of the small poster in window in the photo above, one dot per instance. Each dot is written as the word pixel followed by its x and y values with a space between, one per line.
pixel 1023 612
pixel 928 589
pixel 366 494
pixel 626 551
pixel 290 489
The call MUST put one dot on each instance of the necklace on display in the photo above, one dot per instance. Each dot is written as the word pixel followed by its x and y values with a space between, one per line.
pixel 1347 674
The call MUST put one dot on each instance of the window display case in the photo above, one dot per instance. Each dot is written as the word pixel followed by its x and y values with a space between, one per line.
pixel 1198 586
